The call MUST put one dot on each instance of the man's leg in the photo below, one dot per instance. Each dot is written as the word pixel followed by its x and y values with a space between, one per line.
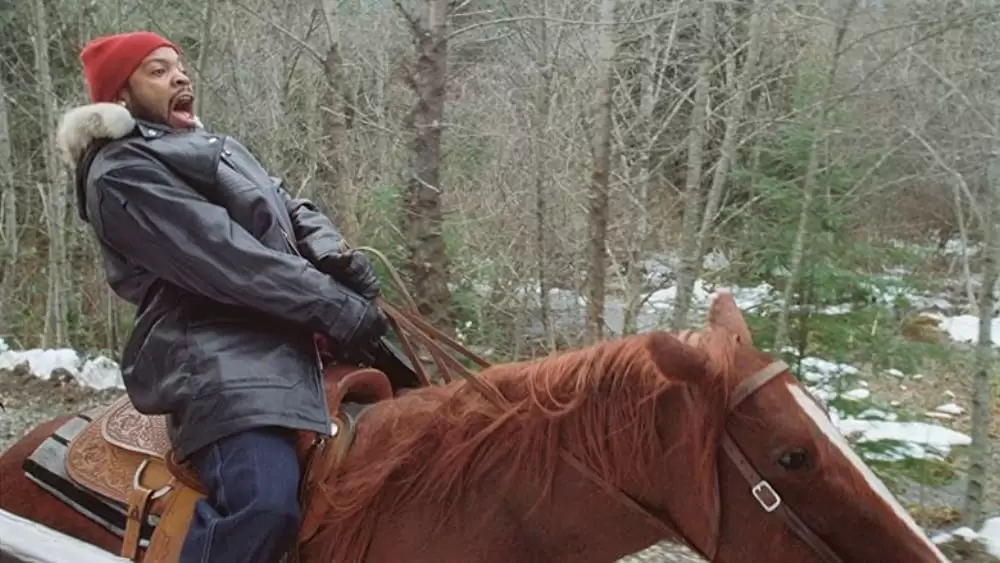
pixel 252 512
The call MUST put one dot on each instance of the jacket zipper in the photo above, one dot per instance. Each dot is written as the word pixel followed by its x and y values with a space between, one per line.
pixel 226 158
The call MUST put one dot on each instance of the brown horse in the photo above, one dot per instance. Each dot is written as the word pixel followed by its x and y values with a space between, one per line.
pixel 588 456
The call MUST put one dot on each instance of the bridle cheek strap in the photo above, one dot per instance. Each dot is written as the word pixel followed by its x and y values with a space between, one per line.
pixel 771 502
pixel 760 488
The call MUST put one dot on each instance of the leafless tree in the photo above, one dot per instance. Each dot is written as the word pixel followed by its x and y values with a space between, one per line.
pixel 54 189
pixel 600 177
pixel 986 356
pixel 422 218
pixel 8 210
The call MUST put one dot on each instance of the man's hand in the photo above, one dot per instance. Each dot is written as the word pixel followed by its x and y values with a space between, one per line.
pixel 353 269
pixel 371 326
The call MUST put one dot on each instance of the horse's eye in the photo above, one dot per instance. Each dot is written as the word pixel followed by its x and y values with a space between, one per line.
pixel 796 458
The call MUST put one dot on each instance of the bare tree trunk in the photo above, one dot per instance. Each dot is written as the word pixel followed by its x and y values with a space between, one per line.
pixel 204 47
pixel 342 197
pixel 600 178
pixel 642 176
pixel 55 333
pixel 811 179
pixel 8 213
pixel 422 217
pixel 544 106
pixel 688 264
pixel 986 360
pixel 736 109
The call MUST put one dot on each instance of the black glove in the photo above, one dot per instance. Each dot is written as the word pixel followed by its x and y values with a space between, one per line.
pixel 353 269
pixel 370 325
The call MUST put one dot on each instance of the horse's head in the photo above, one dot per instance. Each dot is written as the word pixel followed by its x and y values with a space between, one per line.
pixel 790 488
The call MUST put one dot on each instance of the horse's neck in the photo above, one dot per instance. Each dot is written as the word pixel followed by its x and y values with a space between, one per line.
pixel 576 520
pixel 581 522
pixel 675 479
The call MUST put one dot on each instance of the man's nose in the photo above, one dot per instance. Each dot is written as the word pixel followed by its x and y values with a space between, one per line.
pixel 181 79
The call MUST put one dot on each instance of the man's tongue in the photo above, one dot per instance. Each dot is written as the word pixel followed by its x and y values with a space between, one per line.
pixel 181 116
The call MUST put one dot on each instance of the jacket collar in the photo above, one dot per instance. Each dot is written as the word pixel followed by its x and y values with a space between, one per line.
pixel 82 127
pixel 85 124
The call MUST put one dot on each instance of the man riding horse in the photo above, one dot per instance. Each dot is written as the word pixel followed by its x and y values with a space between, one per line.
pixel 232 277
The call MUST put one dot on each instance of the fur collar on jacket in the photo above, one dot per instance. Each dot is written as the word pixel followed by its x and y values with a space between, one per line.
pixel 82 125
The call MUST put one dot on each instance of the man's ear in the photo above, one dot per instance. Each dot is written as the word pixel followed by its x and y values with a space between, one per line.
pixel 124 97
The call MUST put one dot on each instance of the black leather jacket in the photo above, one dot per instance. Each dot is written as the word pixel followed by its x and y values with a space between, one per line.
pixel 218 258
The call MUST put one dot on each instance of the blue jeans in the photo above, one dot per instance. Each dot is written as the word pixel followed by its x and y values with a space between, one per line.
pixel 252 511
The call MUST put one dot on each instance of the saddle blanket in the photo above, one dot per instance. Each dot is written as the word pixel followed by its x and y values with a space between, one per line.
pixel 46 467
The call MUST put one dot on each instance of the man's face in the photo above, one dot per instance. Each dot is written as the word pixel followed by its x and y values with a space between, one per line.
pixel 160 91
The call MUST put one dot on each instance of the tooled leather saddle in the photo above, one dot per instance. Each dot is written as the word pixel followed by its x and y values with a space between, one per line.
pixel 125 456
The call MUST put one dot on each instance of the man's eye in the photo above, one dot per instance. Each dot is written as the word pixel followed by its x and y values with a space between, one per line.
pixel 159 71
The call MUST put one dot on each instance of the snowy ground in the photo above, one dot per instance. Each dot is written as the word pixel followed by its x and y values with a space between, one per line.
pixel 827 380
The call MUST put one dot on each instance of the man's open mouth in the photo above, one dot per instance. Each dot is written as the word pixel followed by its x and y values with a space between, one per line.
pixel 182 108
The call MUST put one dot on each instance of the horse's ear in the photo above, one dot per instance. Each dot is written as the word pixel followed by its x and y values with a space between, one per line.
pixel 678 360
pixel 723 313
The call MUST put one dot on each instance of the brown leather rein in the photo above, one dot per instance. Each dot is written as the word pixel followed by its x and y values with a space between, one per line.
pixel 408 324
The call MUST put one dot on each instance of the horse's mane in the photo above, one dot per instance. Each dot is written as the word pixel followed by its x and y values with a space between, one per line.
pixel 434 444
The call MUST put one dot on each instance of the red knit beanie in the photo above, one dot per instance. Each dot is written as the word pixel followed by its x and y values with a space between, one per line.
pixel 109 61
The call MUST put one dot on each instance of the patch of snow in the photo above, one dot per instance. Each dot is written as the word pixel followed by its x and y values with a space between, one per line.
pixel 716 261
pixel 660 267
pixel 920 440
pixel 747 298
pixel 818 370
pixel 100 372
pixel 965 329
pixel 955 247
pixel 991 536
pixel 988 536
pixel 951 408
pixel 857 394
pixel 834 310
pixel 876 414
pixel 965 533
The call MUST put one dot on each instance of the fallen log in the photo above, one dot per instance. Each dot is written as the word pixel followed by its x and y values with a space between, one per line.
pixel 24 541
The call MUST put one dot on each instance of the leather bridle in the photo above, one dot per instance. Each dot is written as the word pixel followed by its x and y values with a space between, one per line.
pixel 769 499
pixel 762 491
